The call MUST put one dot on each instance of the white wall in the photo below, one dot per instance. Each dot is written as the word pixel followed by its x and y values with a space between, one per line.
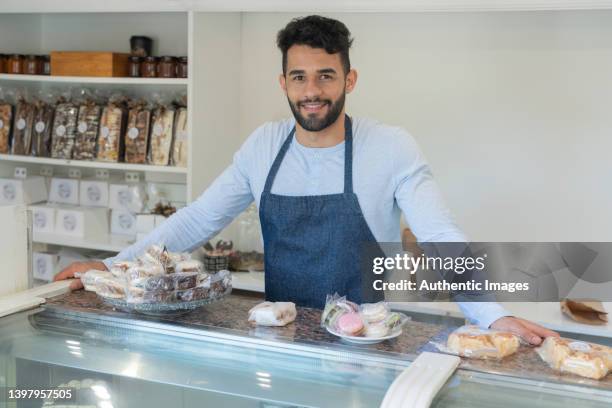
pixel 112 32
pixel 513 110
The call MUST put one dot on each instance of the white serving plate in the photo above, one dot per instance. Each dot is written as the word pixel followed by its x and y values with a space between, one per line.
pixel 366 340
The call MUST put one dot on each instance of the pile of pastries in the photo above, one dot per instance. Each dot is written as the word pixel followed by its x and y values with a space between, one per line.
pixel 585 359
pixel 373 320
pixel 158 276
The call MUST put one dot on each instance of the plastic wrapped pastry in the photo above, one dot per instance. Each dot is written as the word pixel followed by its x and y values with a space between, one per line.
pixel 273 313
pixel 6 121
pixel 180 149
pixel 577 357
pixel 87 131
pixel 474 342
pixel 89 279
pixel 110 287
pixel 161 136
pixel 335 306
pixel 22 130
pixel 64 130
pixel 137 134
pixel 41 132
pixel 110 140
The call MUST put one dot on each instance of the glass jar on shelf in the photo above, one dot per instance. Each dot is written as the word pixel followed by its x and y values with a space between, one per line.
pixel 134 67
pixel 15 64
pixel 32 65
pixel 167 67
pixel 46 64
pixel 148 68
pixel 181 70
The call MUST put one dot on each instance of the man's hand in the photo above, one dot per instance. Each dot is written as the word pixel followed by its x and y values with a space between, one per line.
pixel 528 331
pixel 81 267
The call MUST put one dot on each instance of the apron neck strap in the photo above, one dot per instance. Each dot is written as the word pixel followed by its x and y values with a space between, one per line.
pixel 348 157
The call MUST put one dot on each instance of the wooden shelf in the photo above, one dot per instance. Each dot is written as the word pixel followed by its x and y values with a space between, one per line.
pixel 94 80
pixel 93 164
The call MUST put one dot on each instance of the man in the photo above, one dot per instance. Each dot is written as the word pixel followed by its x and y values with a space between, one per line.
pixel 324 183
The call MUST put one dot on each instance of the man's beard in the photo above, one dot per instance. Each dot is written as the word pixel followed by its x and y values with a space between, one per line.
pixel 313 124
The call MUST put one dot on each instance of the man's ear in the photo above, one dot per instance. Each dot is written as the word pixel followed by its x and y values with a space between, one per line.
pixel 283 83
pixel 351 80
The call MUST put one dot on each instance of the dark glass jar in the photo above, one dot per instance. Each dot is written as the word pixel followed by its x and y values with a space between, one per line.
pixel 181 68
pixel 15 64
pixel 46 64
pixel 2 64
pixel 167 67
pixel 134 67
pixel 148 68
pixel 32 65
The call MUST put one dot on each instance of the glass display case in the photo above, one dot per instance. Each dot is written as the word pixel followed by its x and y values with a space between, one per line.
pixel 118 363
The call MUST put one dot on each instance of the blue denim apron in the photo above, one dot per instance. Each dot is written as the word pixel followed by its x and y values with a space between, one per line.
pixel 313 244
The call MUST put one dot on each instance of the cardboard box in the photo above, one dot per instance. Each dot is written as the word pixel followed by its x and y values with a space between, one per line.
pixel 93 193
pixel 89 63
pixel 129 197
pixel 44 265
pixel 64 191
pixel 25 191
pixel 43 218
pixel 81 221
pixel 123 223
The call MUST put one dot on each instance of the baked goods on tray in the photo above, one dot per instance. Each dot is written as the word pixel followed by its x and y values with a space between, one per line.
pixel 158 276
pixel 474 342
pixel 577 357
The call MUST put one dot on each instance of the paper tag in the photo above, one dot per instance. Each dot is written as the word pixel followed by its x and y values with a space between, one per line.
pixel 133 133
pixel 158 129
pixel 579 346
pixel 39 127
pixel 82 127
pixel 61 130
pixel 9 192
pixel 105 131
pixel 125 221
pixel 181 135
pixel 93 193
pixel 69 222
pixel 21 124
pixel 64 190
pixel 40 219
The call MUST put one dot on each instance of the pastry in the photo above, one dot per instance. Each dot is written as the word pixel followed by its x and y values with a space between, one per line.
pixel 350 324
pixel 110 140
pixel 189 266
pixel 180 146
pixel 87 132
pixel 160 283
pixel 577 357
pixel 6 120
pixel 185 280
pixel 120 268
pixel 88 279
pixel 64 130
pixel 110 287
pixel 374 312
pixel 376 330
pixel 137 134
pixel 471 341
pixel 161 136
pixel 41 132
pixel 22 129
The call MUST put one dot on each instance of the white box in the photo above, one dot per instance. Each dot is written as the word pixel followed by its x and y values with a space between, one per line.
pixel 123 223
pixel 145 223
pixel 141 235
pixel 93 193
pixel 81 221
pixel 64 191
pixel 129 197
pixel 25 191
pixel 43 218
pixel 159 220
pixel 44 265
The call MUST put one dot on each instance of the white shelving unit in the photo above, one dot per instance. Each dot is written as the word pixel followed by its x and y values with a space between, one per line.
pixel 94 80
pixel 47 161
pixel 108 242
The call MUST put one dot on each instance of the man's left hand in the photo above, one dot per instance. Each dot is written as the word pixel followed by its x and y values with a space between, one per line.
pixel 528 331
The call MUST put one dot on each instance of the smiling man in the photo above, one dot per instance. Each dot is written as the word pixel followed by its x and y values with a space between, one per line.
pixel 324 183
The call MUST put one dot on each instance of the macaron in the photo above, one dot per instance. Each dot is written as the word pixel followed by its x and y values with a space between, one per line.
pixel 376 330
pixel 350 324
pixel 374 312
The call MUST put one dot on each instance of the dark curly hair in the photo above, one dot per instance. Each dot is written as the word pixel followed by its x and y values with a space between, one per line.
pixel 316 32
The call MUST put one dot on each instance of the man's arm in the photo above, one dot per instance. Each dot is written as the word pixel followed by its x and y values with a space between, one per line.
pixel 420 200
pixel 190 227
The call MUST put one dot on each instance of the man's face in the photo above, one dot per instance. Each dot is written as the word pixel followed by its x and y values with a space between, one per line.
pixel 315 86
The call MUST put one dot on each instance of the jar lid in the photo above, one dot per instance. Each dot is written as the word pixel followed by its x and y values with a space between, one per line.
pixel 183 59
pixel 168 58
pixel 31 56
pixel 150 59
pixel 134 58
pixel 17 56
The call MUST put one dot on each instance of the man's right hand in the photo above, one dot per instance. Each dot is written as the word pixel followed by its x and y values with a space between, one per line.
pixel 81 267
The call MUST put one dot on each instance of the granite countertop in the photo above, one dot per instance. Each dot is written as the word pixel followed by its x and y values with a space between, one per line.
pixel 231 314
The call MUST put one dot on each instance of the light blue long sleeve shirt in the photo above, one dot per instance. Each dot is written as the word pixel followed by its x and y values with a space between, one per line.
pixel 390 177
